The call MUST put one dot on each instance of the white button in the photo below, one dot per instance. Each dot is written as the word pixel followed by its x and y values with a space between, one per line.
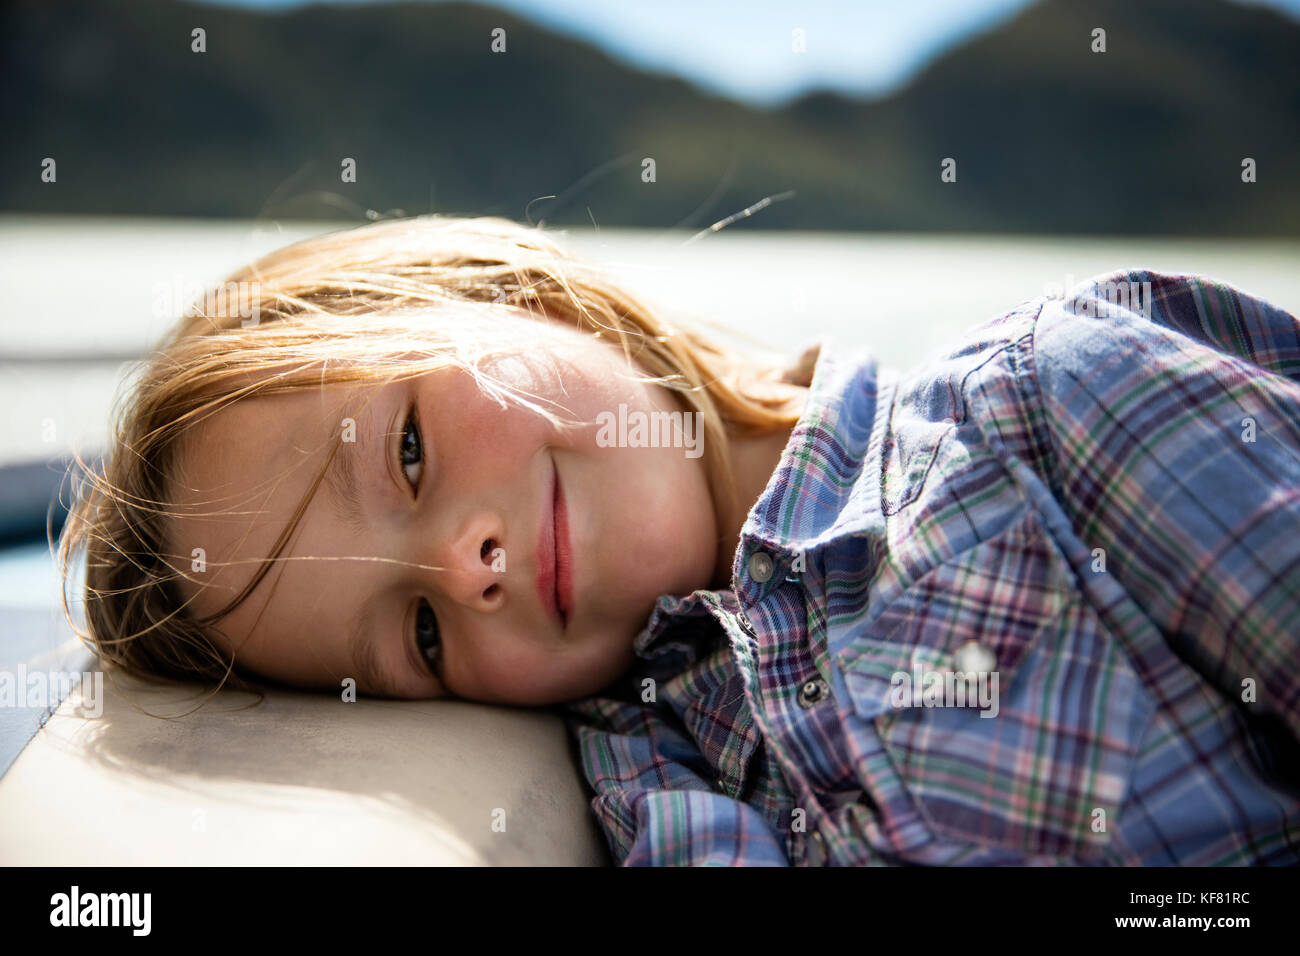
pixel 760 566
pixel 974 658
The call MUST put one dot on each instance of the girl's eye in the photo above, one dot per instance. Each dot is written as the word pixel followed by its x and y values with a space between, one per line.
pixel 411 450
pixel 427 638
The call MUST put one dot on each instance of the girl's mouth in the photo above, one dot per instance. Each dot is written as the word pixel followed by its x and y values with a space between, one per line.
pixel 554 556
pixel 563 553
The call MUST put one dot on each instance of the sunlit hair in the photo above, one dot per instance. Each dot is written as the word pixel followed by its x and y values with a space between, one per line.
pixel 375 304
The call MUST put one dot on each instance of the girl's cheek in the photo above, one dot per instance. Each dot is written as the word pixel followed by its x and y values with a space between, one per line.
pixel 469 423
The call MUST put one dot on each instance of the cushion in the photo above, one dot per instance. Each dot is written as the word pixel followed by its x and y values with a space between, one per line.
pixel 301 778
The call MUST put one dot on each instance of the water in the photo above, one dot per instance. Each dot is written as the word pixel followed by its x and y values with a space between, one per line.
pixel 88 288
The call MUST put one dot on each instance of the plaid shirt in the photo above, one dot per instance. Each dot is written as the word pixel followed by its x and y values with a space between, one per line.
pixel 1086 516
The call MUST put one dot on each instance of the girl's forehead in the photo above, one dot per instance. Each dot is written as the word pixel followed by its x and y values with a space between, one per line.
pixel 292 411
pixel 248 465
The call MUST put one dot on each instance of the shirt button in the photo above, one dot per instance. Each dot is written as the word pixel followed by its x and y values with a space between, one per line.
pixel 974 658
pixel 760 566
pixel 812 692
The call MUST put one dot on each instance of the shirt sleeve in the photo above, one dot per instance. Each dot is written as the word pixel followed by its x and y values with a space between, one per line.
pixel 1172 407
pixel 654 798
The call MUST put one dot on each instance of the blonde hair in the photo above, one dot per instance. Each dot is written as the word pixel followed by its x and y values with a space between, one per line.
pixel 336 309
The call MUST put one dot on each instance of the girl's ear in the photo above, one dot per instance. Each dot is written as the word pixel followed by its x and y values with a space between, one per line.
pixel 801 372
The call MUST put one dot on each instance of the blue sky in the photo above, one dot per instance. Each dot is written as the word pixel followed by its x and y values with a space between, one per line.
pixel 741 48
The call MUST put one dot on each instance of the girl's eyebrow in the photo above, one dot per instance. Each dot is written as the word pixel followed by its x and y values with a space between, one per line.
pixel 341 477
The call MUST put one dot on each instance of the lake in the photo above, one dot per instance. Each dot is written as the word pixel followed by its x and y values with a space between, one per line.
pixel 80 294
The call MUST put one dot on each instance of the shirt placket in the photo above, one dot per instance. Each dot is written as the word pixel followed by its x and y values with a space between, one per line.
pixel 764 570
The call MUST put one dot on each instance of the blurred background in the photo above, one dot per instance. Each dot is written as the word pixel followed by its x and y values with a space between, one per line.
pixel 850 103
pixel 774 167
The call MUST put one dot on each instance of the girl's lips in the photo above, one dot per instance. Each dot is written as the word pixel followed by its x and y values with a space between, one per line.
pixel 563 553
pixel 554 560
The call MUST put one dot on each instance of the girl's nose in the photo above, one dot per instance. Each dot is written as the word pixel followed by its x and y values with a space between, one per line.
pixel 475 565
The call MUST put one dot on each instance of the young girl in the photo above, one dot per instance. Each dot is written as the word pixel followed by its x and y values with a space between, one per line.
pixel 1035 601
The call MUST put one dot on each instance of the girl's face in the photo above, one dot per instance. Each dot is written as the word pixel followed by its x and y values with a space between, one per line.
pixel 445 477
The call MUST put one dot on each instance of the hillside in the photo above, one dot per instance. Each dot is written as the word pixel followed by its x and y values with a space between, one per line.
pixel 1049 137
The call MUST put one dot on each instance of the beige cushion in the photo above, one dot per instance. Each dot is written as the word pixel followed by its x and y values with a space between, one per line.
pixel 301 778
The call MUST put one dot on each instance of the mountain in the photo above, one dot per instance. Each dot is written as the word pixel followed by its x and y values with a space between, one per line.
pixel 1146 138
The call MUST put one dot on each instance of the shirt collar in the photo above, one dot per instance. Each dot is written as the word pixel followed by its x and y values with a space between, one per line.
pixel 837 374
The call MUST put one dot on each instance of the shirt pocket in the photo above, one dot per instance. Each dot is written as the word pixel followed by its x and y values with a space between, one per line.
pixel 1036 759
